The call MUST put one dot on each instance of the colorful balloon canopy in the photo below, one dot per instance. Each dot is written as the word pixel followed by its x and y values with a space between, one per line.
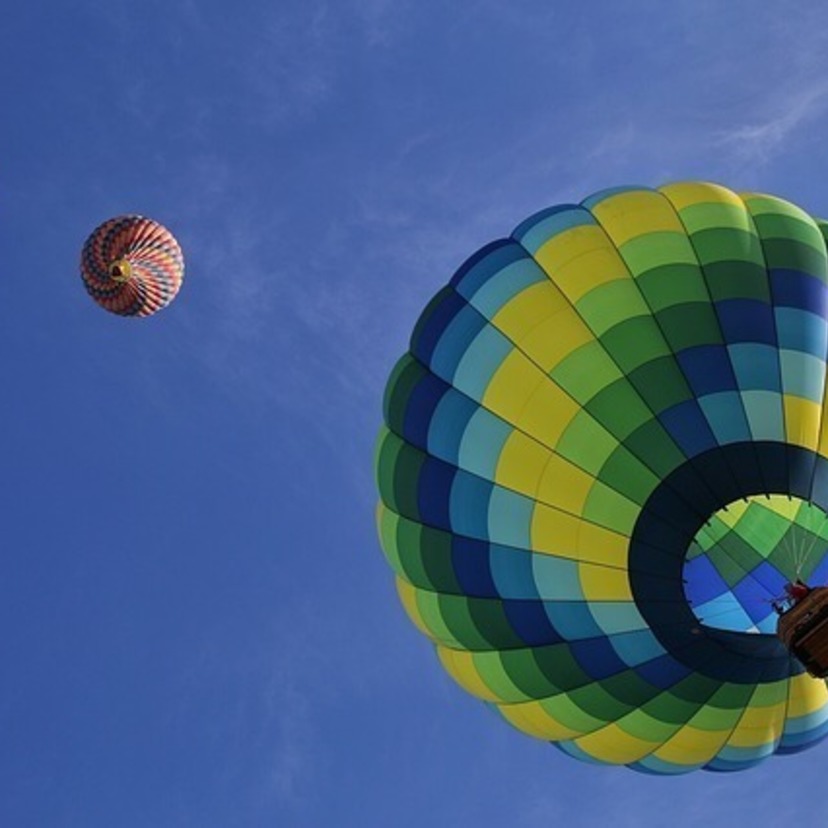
pixel 604 455
pixel 132 266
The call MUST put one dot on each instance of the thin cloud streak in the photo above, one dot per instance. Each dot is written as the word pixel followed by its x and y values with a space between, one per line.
pixel 760 141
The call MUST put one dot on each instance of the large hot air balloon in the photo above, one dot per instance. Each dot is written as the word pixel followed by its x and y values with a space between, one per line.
pixel 132 266
pixel 603 458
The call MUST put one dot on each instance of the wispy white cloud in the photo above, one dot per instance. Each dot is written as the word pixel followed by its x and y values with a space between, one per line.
pixel 300 57
pixel 381 20
pixel 760 140
pixel 272 692
pixel 289 724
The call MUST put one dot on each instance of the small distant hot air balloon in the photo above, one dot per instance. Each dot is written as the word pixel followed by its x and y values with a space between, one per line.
pixel 132 266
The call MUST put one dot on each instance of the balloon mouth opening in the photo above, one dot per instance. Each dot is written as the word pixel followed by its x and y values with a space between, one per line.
pixel 740 560
pixel 120 271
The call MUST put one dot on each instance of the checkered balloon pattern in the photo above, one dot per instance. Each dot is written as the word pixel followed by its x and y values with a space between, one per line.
pixel 603 456
pixel 132 266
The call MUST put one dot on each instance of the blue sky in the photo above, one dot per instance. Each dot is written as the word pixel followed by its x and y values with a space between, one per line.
pixel 198 626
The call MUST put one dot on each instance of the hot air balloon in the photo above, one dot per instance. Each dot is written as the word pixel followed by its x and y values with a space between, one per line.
pixel 132 266
pixel 602 459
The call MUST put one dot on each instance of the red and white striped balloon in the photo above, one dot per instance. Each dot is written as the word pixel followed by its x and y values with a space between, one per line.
pixel 132 266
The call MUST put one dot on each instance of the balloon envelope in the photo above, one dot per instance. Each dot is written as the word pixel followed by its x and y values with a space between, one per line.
pixel 603 456
pixel 132 266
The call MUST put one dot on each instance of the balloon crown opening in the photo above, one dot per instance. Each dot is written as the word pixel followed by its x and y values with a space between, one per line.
pixel 120 270
pixel 740 560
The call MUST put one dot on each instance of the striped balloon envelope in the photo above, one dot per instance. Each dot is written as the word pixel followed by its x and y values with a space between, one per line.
pixel 603 457
pixel 132 266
